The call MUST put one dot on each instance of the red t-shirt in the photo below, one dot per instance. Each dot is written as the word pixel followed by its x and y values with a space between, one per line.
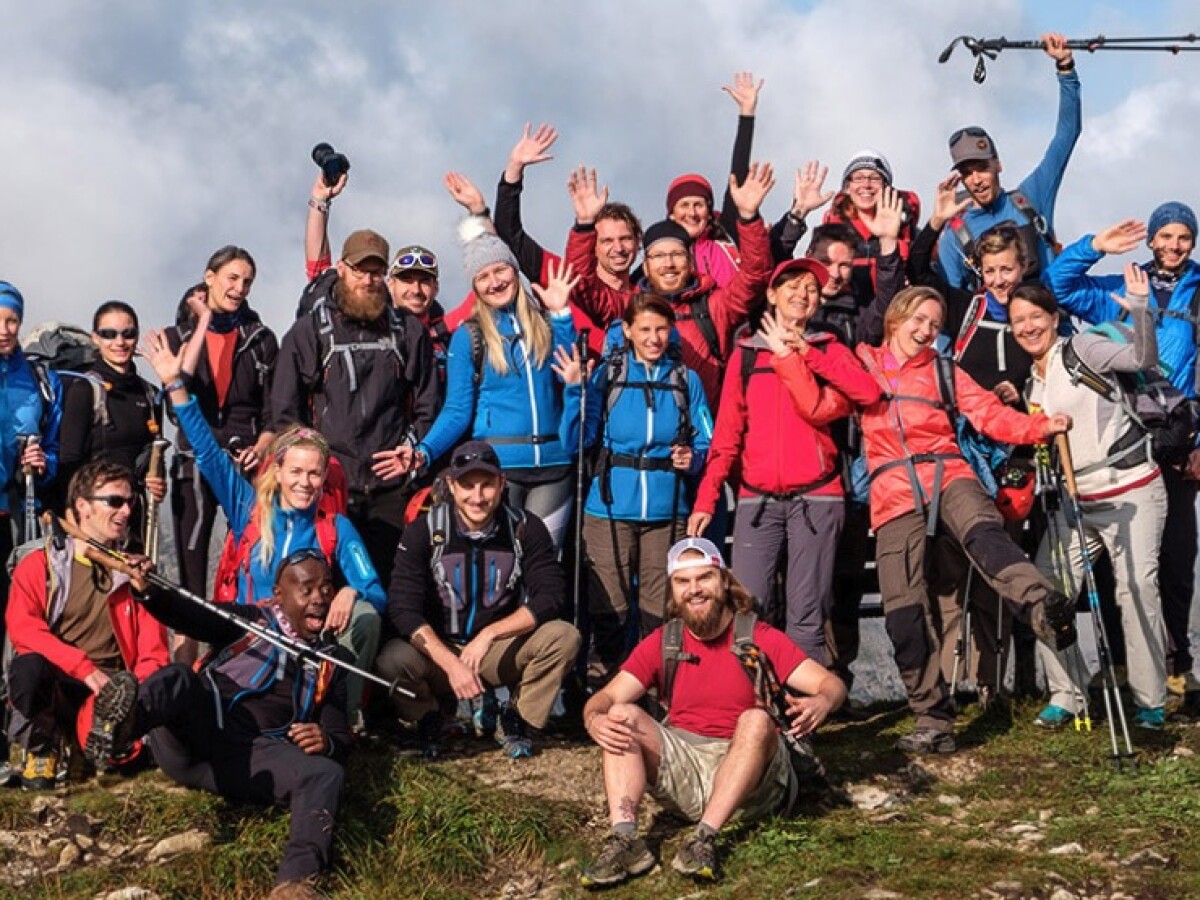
pixel 708 696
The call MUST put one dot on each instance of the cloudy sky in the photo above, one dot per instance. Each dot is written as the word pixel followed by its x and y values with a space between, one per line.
pixel 139 136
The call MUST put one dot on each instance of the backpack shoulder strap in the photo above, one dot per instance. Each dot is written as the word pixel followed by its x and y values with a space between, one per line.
pixel 679 387
pixel 1029 211
pixel 438 520
pixel 672 652
pixel 743 629
pixel 946 367
pixel 516 527
pixel 615 382
pixel 970 323
pixel 476 338
pixel 1082 373
pixel 702 316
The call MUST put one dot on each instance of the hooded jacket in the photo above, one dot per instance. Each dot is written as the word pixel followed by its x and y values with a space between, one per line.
pixel 23 411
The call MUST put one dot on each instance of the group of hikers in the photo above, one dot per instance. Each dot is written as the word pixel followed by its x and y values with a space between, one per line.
pixel 408 491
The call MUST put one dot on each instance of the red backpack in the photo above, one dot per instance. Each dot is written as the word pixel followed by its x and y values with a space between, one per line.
pixel 234 564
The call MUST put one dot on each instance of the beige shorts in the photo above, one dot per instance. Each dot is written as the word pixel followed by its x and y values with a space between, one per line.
pixel 689 764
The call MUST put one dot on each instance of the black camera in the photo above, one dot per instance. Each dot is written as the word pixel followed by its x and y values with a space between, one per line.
pixel 333 165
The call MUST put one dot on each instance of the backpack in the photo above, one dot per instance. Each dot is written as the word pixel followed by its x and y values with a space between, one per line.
pixel 1164 420
pixel 439 522
pixel 1035 231
pixel 697 311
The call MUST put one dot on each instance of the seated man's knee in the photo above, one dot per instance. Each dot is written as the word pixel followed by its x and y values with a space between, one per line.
pixel 755 725
pixel 561 637
pixel 399 659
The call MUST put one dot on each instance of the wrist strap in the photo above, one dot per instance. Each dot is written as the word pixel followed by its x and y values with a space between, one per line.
pixel 321 206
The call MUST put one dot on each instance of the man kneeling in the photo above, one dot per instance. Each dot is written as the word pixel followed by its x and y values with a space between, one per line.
pixel 719 752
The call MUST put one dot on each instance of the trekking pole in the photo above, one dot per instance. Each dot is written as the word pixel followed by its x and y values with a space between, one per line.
pixel 155 469
pixel 962 642
pixel 990 48
pixel 581 348
pixel 1112 695
pixel 115 559
pixel 32 530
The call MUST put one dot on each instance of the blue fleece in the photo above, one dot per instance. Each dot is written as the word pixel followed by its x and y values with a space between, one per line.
pixel 295 529
pixel 1090 298
pixel 22 411
pixel 526 401
pixel 1040 187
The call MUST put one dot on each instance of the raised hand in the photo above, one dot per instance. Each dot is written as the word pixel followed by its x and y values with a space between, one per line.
pixel 1056 48
pixel 567 364
pixel 530 150
pixel 775 334
pixel 809 193
pixel 697 523
pixel 946 202
pixel 744 92
pixel 326 192
pixel 1120 238
pixel 586 197
pixel 749 195
pixel 1137 285
pixel 156 351
pixel 889 214
pixel 559 284
pixel 197 304
pixel 465 193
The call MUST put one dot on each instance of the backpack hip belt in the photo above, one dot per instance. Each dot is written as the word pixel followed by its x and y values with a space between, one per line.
pixel 797 493
pixel 537 439
pixel 935 496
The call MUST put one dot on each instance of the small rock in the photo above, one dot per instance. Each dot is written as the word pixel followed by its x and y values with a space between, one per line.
pixel 187 842
pixel 84 842
pixel 881 894
pixel 811 884
pixel 895 815
pixel 1045 815
pixel 868 797
pixel 129 893
pixel 1072 849
pixel 1183 751
pixel 1063 894
pixel 1007 888
pixel 1092 811
pixel 69 856
pixel 948 799
pixel 1022 828
pixel 1146 858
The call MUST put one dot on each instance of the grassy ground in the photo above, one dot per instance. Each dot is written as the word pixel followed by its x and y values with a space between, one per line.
pixel 984 820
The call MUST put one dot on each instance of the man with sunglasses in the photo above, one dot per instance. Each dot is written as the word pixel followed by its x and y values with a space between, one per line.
pixel 412 281
pixel 1031 205
pixel 475 595
pixel 81 641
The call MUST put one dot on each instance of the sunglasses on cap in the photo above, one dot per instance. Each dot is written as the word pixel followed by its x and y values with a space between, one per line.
pixel 299 556
pixel 111 334
pixel 415 258
pixel 113 501
pixel 460 460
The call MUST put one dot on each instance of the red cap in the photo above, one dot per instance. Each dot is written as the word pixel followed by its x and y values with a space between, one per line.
pixel 691 185
pixel 803 264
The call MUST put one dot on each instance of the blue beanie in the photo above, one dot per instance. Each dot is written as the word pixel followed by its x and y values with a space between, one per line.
pixel 1171 213
pixel 10 298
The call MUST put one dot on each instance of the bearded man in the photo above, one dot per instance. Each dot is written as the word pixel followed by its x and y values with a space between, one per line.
pixel 718 754
pixel 361 371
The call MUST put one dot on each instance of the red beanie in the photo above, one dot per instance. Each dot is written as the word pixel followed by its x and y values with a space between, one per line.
pixel 689 186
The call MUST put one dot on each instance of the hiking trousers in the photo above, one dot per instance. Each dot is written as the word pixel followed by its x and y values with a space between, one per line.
pixel 532 666
pixel 968 516
pixel 1177 568
pixel 378 516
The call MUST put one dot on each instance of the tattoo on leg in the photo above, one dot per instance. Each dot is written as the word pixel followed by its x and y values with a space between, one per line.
pixel 627 809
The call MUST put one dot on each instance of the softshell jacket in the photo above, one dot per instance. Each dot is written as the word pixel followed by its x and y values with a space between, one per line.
pixel 1090 298
pixel 295 529
pixel 40 587
pixel 508 409
pixel 777 426
pixel 897 429
pixel 23 411
pixel 643 422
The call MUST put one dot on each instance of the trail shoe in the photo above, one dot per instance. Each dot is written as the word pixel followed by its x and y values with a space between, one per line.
pixel 429 735
pixel 39 772
pixel 1182 685
pixel 697 856
pixel 112 718
pixel 485 714
pixel 1054 717
pixel 622 856
pixel 513 739
pixel 927 740
pixel 1053 621
pixel 1150 718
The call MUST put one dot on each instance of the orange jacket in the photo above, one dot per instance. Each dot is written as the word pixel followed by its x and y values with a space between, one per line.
pixel 895 429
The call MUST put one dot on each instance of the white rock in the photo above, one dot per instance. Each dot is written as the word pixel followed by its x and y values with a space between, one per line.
pixel 129 893
pixel 868 797
pixel 949 800
pixel 1146 858
pixel 187 842
pixel 1063 894
pixel 1022 828
pixel 1072 849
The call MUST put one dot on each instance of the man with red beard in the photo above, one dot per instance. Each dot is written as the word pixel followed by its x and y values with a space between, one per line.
pixel 361 371
pixel 719 753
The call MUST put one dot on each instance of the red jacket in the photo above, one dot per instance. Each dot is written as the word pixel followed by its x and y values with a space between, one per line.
pixel 602 303
pixel 895 429
pixel 776 427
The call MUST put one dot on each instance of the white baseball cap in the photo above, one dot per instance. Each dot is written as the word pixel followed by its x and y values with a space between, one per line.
pixel 712 556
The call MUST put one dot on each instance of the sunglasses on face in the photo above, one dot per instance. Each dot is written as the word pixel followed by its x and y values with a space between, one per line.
pixel 113 501
pixel 111 334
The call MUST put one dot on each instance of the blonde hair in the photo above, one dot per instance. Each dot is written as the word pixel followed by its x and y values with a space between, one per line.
pixel 534 328
pixel 266 486
pixel 998 240
pixel 905 303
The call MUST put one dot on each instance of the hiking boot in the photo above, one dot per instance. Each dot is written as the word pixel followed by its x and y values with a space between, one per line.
pixel 513 739
pixel 926 740
pixel 1054 717
pixel 1150 718
pixel 429 735
pixel 39 772
pixel 697 856
pixel 112 718
pixel 622 856
pixel 1053 621
pixel 1182 685
pixel 485 714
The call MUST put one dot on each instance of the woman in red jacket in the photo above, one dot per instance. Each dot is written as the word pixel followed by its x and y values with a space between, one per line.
pixel 783 387
pixel 920 482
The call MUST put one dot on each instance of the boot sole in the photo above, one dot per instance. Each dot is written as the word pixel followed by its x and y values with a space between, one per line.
pixel 114 703
pixel 639 867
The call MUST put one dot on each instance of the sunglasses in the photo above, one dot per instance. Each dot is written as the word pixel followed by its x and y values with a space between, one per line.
pixel 111 334
pixel 414 259
pixel 294 559
pixel 469 459
pixel 113 501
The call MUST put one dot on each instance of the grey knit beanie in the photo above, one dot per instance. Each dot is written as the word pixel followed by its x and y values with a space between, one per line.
pixel 483 250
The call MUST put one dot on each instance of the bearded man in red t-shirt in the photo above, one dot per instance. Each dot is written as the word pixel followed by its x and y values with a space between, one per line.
pixel 718 753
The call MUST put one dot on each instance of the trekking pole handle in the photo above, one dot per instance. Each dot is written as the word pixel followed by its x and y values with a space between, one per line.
pixel 582 343
pixel 1068 467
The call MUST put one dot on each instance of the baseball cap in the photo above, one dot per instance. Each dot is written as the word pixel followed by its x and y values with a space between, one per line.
pixel 414 258
pixel 473 456
pixel 804 264
pixel 702 545
pixel 363 245
pixel 969 144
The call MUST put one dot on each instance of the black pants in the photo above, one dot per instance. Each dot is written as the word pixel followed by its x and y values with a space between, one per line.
pixel 194 508
pixel 379 518
pixel 177 707
pixel 45 700
pixel 1177 568
pixel 849 585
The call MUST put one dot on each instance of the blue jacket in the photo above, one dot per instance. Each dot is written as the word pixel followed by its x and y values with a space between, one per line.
pixel 1040 187
pixel 525 402
pixel 635 428
pixel 1089 297
pixel 23 411
pixel 295 529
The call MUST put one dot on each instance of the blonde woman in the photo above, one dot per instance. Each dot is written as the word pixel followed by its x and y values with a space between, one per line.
pixel 280 515
pixel 500 386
